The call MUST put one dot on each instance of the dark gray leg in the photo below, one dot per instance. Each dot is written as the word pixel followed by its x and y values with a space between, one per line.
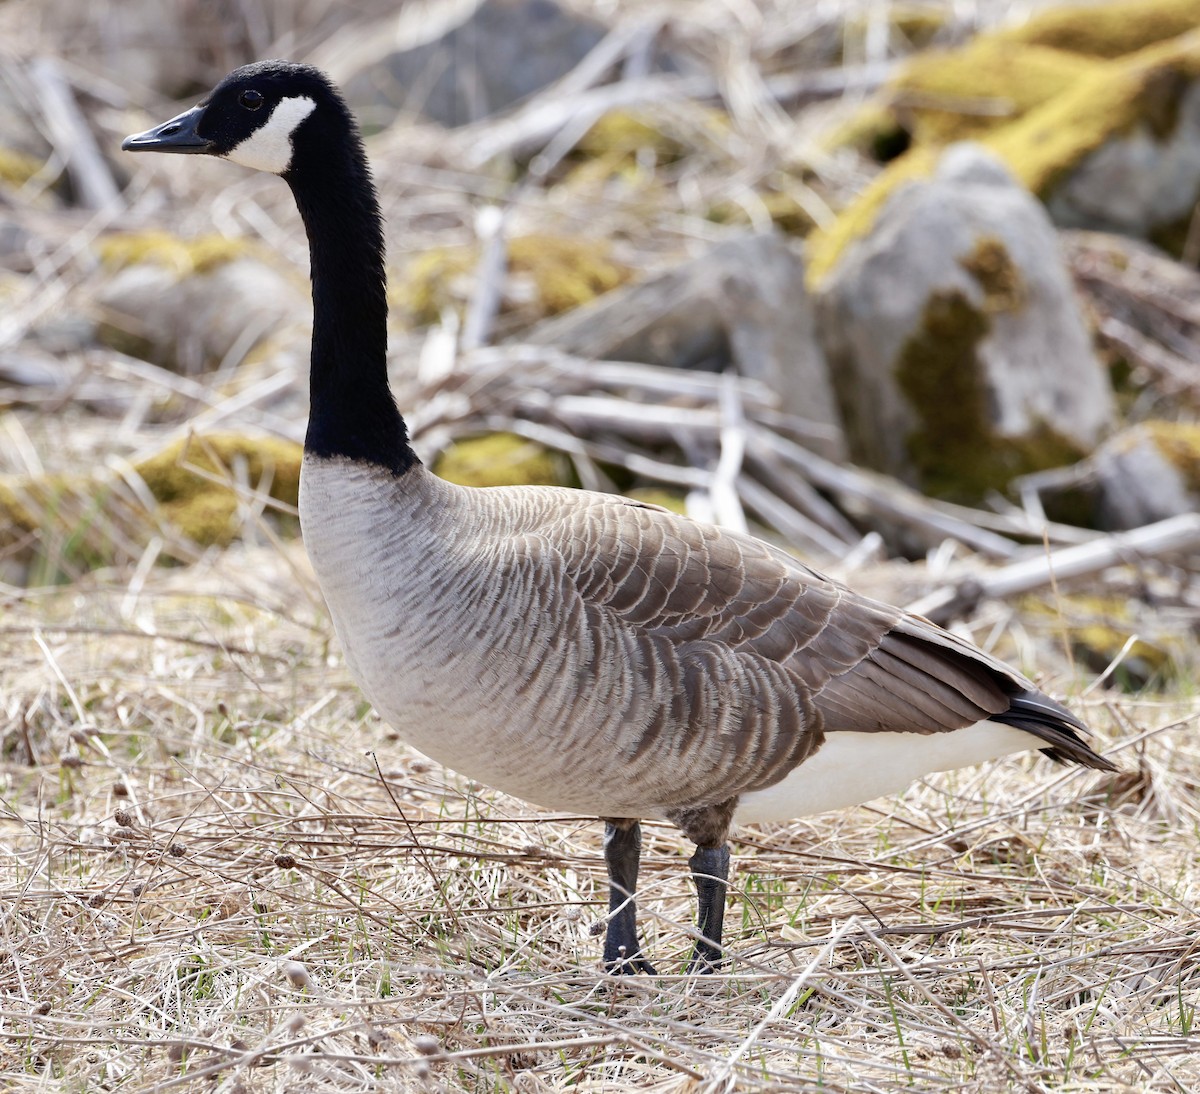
pixel 622 850
pixel 710 872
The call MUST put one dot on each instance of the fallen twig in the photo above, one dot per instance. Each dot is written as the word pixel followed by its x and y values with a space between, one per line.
pixel 1176 535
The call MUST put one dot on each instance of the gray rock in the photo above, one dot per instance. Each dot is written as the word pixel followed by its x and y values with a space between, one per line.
pixel 1142 475
pixel 957 347
pixel 501 53
pixel 189 324
pixel 742 304
pixel 1137 484
pixel 1139 182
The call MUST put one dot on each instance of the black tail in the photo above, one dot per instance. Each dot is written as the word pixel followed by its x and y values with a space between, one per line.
pixel 1040 715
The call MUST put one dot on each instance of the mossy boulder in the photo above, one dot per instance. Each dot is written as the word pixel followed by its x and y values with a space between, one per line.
pixel 187 304
pixel 956 346
pixel 545 275
pixel 946 95
pixel 1096 110
pixel 55 527
pixel 1120 149
pixel 196 481
pixel 503 459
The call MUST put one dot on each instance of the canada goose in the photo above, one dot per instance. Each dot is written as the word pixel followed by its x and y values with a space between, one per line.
pixel 583 651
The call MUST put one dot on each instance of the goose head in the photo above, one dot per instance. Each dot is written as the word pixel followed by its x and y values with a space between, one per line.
pixel 269 116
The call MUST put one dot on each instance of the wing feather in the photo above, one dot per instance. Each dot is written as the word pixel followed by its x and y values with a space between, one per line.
pixel 774 653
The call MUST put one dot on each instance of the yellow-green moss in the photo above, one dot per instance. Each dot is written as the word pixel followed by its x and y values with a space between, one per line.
pixel 990 264
pixel 953 447
pixel 17 168
pixel 1107 30
pixel 1047 143
pixel 1098 628
pixel 567 272
pixel 946 95
pixel 1146 87
pixel 182 256
pixel 1179 442
pixel 919 23
pixel 203 509
pixel 623 134
pixel 634 144
pixel 959 94
pixel 563 273
pixel 786 213
pixel 53 527
pixel 502 459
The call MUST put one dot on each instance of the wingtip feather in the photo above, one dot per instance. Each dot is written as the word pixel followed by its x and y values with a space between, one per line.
pixel 1052 722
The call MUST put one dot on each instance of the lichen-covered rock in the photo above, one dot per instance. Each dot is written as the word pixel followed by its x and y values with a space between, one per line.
pixel 741 303
pixel 956 346
pixel 186 305
pixel 1096 110
pixel 1120 150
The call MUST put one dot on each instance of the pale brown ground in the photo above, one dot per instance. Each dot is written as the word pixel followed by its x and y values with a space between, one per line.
pixel 220 872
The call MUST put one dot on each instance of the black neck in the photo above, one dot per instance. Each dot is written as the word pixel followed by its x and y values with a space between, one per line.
pixel 352 411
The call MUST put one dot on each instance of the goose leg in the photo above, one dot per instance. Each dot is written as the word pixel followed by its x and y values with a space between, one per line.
pixel 622 851
pixel 710 872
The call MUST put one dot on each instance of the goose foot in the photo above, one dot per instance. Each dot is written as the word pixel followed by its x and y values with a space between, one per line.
pixel 710 872
pixel 622 853
pixel 618 964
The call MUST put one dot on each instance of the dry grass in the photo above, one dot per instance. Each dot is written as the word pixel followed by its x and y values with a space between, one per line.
pixel 220 872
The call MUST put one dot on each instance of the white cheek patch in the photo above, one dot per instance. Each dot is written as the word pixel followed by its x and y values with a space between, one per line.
pixel 269 147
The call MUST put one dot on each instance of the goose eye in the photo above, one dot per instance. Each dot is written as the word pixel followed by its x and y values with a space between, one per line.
pixel 251 100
